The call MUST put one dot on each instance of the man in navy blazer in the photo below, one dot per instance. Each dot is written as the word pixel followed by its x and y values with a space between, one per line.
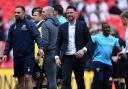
pixel 71 41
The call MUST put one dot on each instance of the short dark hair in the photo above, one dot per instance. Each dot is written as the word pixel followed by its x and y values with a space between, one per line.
pixel 59 9
pixel 105 25
pixel 22 7
pixel 37 9
pixel 71 7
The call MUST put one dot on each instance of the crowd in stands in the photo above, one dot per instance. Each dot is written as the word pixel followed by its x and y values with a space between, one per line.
pixel 94 12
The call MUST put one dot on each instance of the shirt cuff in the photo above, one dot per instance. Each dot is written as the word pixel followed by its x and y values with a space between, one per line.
pixel 85 49
pixel 56 57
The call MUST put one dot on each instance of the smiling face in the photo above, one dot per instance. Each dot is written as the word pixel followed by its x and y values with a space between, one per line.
pixel 71 14
pixel 45 13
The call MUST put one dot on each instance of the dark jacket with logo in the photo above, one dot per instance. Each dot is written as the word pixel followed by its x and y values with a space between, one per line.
pixel 21 38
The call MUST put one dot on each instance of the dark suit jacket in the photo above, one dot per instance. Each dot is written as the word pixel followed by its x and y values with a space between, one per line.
pixel 82 37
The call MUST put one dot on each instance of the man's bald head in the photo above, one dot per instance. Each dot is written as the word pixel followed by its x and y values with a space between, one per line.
pixel 47 11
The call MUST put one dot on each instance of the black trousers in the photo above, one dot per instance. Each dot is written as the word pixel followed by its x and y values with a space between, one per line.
pixel 126 77
pixel 126 81
pixel 69 64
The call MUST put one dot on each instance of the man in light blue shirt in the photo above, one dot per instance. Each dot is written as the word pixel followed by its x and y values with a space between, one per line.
pixel 102 66
pixel 104 46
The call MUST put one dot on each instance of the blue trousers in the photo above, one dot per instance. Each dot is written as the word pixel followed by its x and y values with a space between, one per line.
pixel 102 73
pixel 51 69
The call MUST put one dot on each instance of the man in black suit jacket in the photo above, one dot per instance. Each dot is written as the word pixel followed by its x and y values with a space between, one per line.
pixel 71 41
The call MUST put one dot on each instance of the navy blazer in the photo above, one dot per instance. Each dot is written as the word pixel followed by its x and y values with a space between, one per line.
pixel 82 37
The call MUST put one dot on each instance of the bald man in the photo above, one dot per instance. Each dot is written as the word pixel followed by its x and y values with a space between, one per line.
pixel 49 36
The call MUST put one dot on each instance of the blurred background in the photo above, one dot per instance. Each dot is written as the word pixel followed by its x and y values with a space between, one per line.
pixel 93 12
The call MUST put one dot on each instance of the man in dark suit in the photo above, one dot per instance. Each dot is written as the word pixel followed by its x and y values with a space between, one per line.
pixel 71 41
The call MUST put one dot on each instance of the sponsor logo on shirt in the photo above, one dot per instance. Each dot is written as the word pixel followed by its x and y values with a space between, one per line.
pixel 110 40
pixel 24 27
pixel 29 69
pixel 97 69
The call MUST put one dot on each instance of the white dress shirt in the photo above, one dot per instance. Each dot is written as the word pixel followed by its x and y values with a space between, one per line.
pixel 39 23
pixel 125 50
pixel 71 49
